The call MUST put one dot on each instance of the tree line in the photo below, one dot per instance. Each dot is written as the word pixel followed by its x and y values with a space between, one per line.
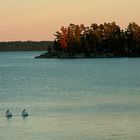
pixel 25 45
pixel 98 40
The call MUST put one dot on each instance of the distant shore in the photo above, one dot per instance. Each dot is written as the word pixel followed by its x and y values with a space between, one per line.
pixel 25 46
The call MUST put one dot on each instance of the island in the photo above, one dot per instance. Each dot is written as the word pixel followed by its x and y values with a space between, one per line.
pixel 96 41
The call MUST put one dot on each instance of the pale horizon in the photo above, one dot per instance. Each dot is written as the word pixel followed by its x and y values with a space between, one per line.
pixel 38 20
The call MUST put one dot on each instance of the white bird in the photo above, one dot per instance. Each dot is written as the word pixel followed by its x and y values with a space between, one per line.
pixel 24 113
pixel 8 114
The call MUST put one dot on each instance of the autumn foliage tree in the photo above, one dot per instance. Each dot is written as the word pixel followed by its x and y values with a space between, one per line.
pixel 107 38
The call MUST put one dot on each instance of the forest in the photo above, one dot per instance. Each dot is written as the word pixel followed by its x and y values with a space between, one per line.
pixel 25 45
pixel 103 40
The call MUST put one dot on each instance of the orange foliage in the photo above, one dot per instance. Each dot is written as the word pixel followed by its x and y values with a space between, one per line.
pixel 63 40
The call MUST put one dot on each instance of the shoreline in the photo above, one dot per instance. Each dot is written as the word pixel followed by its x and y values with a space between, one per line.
pixel 62 55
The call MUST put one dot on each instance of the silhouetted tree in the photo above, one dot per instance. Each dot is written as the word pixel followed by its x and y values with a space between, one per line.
pixel 103 39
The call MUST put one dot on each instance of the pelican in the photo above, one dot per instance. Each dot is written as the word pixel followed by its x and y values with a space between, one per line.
pixel 8 114
pixel 24 113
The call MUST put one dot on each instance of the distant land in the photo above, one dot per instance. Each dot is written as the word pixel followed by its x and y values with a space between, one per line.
pixel 25 45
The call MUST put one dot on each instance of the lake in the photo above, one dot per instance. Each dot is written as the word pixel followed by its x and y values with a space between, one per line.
pixel 69 99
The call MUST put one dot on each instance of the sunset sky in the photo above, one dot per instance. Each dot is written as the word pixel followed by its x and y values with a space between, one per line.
pixel 39 19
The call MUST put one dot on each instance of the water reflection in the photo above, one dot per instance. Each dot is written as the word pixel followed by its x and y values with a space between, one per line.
pixel 24 118
pixel 8 118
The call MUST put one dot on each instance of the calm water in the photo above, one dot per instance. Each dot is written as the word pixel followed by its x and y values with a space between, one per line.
pixel 78 99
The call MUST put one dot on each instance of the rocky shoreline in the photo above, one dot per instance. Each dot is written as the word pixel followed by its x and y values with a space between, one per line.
pixel 63 55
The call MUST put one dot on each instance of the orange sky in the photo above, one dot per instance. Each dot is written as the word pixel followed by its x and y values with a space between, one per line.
pixel 39 19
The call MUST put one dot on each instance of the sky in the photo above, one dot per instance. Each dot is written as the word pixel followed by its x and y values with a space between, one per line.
pixel 39 19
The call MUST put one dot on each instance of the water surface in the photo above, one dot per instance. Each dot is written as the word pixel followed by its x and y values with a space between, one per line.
pixel 78 99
